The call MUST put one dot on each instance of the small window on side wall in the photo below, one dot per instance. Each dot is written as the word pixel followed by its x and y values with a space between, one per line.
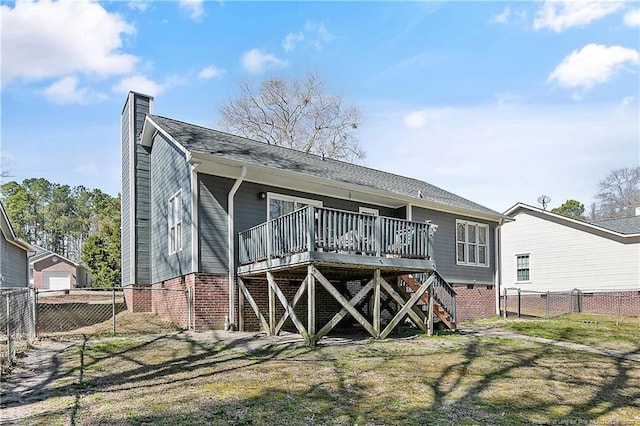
pixel 174 219
pixel 523 272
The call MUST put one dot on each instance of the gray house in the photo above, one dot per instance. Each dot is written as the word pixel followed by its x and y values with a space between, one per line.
pixel 14 265
pixel 267 237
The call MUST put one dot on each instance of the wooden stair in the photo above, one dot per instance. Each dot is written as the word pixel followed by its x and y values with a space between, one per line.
pixel 412 285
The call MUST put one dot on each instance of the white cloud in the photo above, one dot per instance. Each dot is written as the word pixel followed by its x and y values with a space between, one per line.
pixel 632 18
pixel 210 72
pixel 257 61
pixel 139 5
pixel 561 15
pixel 66 91
pixel 499 155
pixel 291 41
pixel 55 39
pixel 592 65
pixel 422 118
pixel 142 84
pixel 193 8
pixel 503 17
pixel 318 34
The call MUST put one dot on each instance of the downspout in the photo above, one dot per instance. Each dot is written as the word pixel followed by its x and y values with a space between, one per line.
pixel 231 317
pixel 498 274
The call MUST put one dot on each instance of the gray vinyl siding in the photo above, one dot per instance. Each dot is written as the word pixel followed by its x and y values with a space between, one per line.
pixel 212 223
pixel 125 207
pixel 445 248
pixel 142 206
pixel 170 174
pixel 143 195
pixel 13 264
pixel 250 210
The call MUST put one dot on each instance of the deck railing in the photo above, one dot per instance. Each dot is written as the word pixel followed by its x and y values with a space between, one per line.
pixel 323 229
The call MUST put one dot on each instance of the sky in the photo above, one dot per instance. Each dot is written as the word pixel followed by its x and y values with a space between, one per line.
pixel 498 102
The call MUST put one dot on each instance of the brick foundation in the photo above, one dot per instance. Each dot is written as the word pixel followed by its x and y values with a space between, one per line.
pixel 169 300
pixel 138 298
pixel 326 305
pixel 474 301
pixel 210 300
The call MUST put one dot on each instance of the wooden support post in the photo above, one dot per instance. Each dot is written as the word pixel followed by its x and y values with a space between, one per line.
pixel 401 302
pixel 272 308
pixel 344 302
pixel 288 309
pixel 430 317
pixel 407 306
pixel 311 306
pixel 263 322
pixel 240 309
pixel 376 302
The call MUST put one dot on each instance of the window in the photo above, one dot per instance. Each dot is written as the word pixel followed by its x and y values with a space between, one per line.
pixel 472 241
pixel 522 268
pixel 174 218
pixel 280 205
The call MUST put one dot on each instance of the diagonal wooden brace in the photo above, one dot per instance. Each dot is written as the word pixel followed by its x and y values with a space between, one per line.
pixel 407 306
pixel 412 314
pixel 283 300
pixel 343 312
pixel 263 322
pixel 294 302
pixel 344 302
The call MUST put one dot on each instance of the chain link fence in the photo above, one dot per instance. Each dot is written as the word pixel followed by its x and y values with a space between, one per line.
pixel 27 314
pixel 524 303
pixel 18 323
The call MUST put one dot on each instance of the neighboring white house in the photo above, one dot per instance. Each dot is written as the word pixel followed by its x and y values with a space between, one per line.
pixel 543 251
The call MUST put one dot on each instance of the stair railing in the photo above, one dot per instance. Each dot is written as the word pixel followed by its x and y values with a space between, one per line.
pixel 443 293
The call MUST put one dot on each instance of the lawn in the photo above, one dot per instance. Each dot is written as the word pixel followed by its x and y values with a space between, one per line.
pixel 192 378
pixel 595 330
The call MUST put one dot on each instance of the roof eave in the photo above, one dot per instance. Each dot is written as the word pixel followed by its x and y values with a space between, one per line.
pixel 521 206
pixel 203 158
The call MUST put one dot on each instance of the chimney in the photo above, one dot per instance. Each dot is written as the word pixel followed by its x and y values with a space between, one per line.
pixel 135 203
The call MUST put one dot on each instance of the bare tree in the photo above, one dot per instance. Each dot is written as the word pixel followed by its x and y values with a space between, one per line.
pixel 295 114
pixel 619 193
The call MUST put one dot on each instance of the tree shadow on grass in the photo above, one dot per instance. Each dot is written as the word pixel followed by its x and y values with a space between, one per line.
pixel 464 387
pixel 464 384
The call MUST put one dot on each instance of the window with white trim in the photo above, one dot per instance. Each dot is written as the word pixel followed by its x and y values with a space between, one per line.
pixel 280 205
pixel 174 219
pixel 472 243
pixel 523 269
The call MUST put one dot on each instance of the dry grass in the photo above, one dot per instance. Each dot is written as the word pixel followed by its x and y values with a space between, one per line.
pixel 599 331
pixel 183 378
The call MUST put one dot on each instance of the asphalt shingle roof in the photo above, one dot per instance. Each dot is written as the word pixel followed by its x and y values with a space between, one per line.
pixel 625 225
pixel 204 140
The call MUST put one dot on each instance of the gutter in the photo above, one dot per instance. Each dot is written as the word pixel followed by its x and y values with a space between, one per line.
pixel 498 273
pixel 231 317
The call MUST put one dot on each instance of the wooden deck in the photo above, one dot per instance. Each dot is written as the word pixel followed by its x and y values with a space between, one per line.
pixel 316 235
pixel 323 246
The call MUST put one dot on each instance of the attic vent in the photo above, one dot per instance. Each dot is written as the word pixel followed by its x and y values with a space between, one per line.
pixel 420 194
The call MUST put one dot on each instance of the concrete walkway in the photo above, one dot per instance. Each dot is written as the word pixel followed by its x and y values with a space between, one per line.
pixel 501 333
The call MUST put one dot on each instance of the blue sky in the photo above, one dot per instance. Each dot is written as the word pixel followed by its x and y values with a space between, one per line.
pixel 499 102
